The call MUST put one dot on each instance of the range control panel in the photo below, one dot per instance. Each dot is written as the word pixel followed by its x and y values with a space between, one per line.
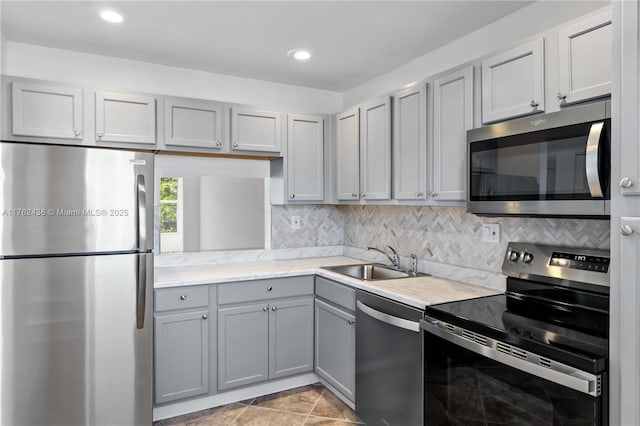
pixel 525 260
pixel 580 261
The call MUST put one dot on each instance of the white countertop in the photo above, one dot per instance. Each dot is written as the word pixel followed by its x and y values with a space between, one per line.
pixel 418 292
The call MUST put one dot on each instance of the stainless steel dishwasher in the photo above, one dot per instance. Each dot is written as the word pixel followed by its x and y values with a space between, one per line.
pixel 389 346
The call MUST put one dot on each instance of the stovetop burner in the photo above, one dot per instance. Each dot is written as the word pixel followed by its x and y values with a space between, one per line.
pixel 543 311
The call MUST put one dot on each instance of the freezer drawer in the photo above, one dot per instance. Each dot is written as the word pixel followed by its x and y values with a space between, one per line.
pixel 72 349
pixel 64 199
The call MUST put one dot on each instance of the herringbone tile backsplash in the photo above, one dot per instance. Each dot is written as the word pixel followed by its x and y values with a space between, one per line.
pixel 440 234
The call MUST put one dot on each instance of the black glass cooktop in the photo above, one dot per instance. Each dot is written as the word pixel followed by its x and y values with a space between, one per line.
pixel 568 326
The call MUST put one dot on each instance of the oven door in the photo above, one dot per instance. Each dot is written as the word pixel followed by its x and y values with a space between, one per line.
pixel 464 387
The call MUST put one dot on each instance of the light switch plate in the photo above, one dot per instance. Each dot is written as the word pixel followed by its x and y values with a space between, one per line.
pixel 491 232
pixel 295 222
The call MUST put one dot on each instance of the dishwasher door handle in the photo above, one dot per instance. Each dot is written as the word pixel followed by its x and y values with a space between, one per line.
pixel 388 319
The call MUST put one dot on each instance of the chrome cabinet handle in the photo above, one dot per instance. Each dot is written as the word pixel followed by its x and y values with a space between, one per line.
pixel 434 194
pixel 626 183
pixel 363 195
pixel 626 230
pixel 235 144
pixel 218 143
pixel 418 194
pixel 352 321
pixel 183 297
pixel 265 309
pixel 274 308
pixel 269 288
pixel 534 104
pixel 205 316
pixel 99 134
pixel 76 132
pixel 292 196
pixel 562 96
pixel 353 194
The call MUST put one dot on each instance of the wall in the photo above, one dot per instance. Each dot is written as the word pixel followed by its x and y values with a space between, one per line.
pixel 447 240
pixel 503 33
pixel 26 60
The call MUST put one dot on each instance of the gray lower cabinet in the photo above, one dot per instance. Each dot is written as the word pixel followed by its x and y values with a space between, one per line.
pixel 243 345
pixel 335 342
pixel 290 337
pixel 181 355
pixel 335 336
pixel 264 340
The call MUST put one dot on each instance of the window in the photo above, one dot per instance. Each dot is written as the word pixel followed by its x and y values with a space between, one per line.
pixel 171 214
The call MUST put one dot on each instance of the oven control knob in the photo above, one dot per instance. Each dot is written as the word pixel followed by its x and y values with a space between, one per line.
pixel 527 257
pixel 514 256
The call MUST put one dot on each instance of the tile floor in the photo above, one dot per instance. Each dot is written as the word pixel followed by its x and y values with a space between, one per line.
pixel 306 405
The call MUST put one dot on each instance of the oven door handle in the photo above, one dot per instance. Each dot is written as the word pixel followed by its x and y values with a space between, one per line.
pixel 527 362
pixel 592 160
pixel 388 319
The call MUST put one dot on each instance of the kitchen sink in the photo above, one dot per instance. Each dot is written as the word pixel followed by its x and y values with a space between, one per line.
pixel 371 272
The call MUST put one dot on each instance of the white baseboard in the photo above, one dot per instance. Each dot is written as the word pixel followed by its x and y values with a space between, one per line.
pixel 185 407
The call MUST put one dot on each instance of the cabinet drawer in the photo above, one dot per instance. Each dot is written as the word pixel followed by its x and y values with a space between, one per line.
pixel 182 298
pixel 336 293
pixel 247 291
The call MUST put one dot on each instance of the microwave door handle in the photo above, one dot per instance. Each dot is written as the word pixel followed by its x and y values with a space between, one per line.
pixel 592 160
pixel 142 213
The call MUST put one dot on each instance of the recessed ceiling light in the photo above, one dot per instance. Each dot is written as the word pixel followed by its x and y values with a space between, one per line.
pixel 111 16
pixel 299 54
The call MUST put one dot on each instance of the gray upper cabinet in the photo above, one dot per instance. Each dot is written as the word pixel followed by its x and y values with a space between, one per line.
pixel 46 111
pixel 582 74
pixel 243 348
pixel 255 130
pixel 181 355
pixel 193 124
pixel 335 356
pixel 348 155
pixel 305 158
pixel 125 118
pixel 290 337
pixel 513 82
pixel 452 117
pixel 375 152
pixel 410 144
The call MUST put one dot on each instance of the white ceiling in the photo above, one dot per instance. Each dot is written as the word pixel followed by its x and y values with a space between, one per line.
pixel 351 41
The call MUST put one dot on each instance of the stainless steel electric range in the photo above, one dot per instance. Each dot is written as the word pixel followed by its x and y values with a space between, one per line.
pixel 536 355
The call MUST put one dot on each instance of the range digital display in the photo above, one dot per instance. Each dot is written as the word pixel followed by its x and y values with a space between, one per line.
pixel 580 261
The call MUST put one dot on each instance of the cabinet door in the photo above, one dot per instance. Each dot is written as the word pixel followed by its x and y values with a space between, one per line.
pixel 46 111
pixel 452 117
pixel 181 355
pixel 375 153
pixel 348 155
pixel 305 158
pixel 290 337
pixel 336 348
pixel 513 83
pixel 195 124
pixel 255 130
pixel 582 74
pixel 243 349
pixel 125 118
pixel 410 144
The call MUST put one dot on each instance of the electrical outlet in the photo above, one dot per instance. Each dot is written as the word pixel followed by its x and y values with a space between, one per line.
pixel 295 222
pixel 490 232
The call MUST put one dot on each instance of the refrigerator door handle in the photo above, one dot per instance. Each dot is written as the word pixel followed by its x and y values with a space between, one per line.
pixel 141 291
pixel 142 214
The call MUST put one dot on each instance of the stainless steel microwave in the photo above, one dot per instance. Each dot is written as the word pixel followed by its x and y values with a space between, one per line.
pixel 556 164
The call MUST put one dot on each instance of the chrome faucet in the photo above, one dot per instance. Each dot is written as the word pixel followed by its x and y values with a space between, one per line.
pixel 394 258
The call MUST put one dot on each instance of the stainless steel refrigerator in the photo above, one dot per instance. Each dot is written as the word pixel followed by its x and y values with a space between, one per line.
pixel 76 274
